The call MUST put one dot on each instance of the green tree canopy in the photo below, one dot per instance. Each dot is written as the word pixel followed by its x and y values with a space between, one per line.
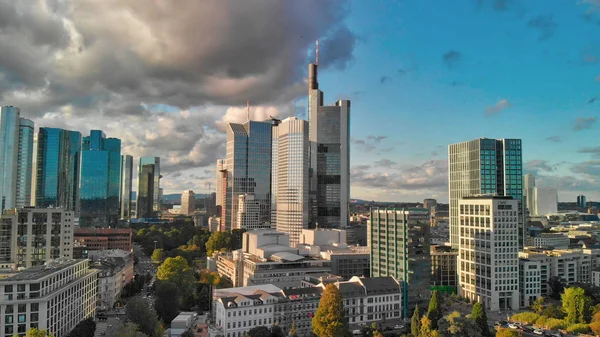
pixel 158 255
pixel 557 286
pixel 259 331
pixel 506 333
pixel 33 332
pixel 330 320
pixel 218 241
pixel 455 325
pixel 177 270
pixel 168 300
pixel 127 330
pixel 576 305
pixel 85 328
pixel 526 317
pixel 277 331
pixel 434 312
pixel 139 313
pixel 480 317
pixel 538 305
pixel 415 322
pixel 551 311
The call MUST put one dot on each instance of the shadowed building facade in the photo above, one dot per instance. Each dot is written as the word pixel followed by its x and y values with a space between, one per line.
pixel 126 186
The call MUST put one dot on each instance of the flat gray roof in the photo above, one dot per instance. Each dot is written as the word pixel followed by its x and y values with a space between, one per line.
pixel 39 272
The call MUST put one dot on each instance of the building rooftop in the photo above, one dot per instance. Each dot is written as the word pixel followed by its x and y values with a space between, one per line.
pixel 39 272
pixel 286 256
pixel 486 196
pixel 379 285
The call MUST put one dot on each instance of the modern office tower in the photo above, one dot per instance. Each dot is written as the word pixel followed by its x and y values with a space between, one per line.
pixel 146 190
pixel 529 192
pixel 219 182
pixel 485 167
pixel 289 182
pixel 546 201
pixel 9 149
pixel 55 297
pixel 34 236
pixel 248 215
pixel 24 163
pixel 126 186
pixel 329 135
pixel 581 201
pixel 188 202
pixel 58 167
pixel 488 256
pixel 248 168
pixel 100 180
pixel 399 245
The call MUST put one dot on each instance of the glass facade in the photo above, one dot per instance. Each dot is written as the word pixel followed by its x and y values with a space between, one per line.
pixel 485 166
pixel 24 163
pixel 100 180
pixel 148 192
pixel 248 168
pixel 126 185
pixel 9 146
pixel 58 167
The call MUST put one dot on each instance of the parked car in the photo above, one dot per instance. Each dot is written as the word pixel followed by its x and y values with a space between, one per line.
pixel 538 331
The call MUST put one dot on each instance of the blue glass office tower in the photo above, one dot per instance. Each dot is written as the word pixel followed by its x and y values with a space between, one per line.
pixel 58 166
pixel 100 180
pixel 126 185
pixel 9 145
pixel 485 167
pixel 148 191
pixel 24 163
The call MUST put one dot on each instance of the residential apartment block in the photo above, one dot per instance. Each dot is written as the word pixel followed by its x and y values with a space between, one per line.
pixel 116 271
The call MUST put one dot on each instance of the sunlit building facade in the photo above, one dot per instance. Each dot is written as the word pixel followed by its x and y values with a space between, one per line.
pixel 126 186
pixel 100 180
pixel 24 163
pixel 148 192
pixel 58 167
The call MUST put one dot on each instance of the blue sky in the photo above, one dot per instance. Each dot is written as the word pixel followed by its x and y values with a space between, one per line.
pixel 426 76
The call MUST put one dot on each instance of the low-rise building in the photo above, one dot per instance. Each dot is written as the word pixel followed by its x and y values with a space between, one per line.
pixel 54 297
pixel 555 240
pixel 104 238
pixel 182 323
pixel 116 271
pixel 530 281
pixel 596 277
pixel 443 266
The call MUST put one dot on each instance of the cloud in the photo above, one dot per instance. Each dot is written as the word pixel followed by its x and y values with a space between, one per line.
pixel 555 139
pixel 385 163
pixel 385 79
pixel 584 123
pixel 165 79
pixel 589 168
pixel 431 175
pixel 375 138
pixel 544 24
pixel 594 151
pixel 451 58
pixel 536 166
pixel 501 105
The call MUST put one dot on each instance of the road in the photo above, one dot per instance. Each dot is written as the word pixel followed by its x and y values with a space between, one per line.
pixel 144 264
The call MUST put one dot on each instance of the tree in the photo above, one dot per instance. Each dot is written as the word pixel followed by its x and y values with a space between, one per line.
pixel 575 304
pixel 293 330
pixel 555 323
pixel 139 313
pixel 415 322
pixel 456 325
pixel 434 312
pixel 168 300
pixel 85 328
pixel 218 241
pixel 276 331
pixel 127 330
pixel 595 327
pixel 259 331
pixel 480 317
pixel 33 332
pixel 330 320
pixel 177 270
pixel 557 286
pixel 578 328
pixel 188 333
pixel 538 305
pixel 506 333
pixel 526 317
pixel 158 255
pixel 551 311
pixel 426 328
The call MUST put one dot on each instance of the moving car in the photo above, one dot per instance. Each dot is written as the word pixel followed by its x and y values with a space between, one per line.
pixel 538 331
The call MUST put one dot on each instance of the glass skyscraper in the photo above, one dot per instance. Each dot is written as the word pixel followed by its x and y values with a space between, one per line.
pixel 24 163
pixel 248 168
pixel 126 185
pixel 485 167
pixel 148 191
pixel 100 180
pixel 58 167
pixel 9 148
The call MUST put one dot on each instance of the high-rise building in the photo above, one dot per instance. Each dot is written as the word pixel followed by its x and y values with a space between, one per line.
pixel 148 193
pixel 581 201
pixel 58 167
pixel 126 186
pixel 399 245
pixel 529 193
pixel 219 183
pixel 248 215
pixel 488 253
pixel 9 149
pixel 100 180
pixel 24 163
pixel 289 181
pixel 546 201
pixel 188 202
pixel 329 135
pixel 248 168
pixel 485 167
pixel 34 236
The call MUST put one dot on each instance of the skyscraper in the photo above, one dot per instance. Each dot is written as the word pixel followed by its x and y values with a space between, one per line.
pixel 290 178
pixel 188 202
pixel 248 168
pixel 485 167
pixel 24 163
pixel 126 186
pixel 58 167
pixel 9 148
pixel 329 130
pixel 581 201
pixel 399 245
pixel 100 180
pixel 529 193
pixel 148 191
pixel 220 196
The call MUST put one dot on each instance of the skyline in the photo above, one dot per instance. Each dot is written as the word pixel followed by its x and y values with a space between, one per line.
pixel 527 72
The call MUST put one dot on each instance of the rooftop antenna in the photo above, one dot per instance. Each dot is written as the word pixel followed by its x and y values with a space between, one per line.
pixel 317 53
pixel 248 109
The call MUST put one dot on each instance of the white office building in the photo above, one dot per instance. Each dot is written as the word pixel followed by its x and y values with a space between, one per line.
pixel 530 281
pixel 488 260
pixel 248 214
pixel 555 240
pixel 188 202
pixel 546 201
pixel 34 236
pixel 54 297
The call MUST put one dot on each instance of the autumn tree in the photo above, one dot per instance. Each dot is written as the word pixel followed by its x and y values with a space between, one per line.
pixel 139 313
pixel 502 332
pixel 415 322
pixel 480 317
pixel 330 320
pixel 595 324
pixel 158 255
pixel 575 305
pixel 33 332
pixel 434 312
pixel 456 325
pixel 293 330
pixel 218 241
pixel 538 305
pixel 426 328
pixel 176 270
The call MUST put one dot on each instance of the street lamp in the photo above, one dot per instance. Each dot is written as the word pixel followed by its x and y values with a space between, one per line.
pixel 155 244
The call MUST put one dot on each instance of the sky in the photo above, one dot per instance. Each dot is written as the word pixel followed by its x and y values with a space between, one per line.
pixel 420 74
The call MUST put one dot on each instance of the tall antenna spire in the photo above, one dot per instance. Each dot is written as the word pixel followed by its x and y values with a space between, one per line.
pixel 317 53
pixel 248 110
